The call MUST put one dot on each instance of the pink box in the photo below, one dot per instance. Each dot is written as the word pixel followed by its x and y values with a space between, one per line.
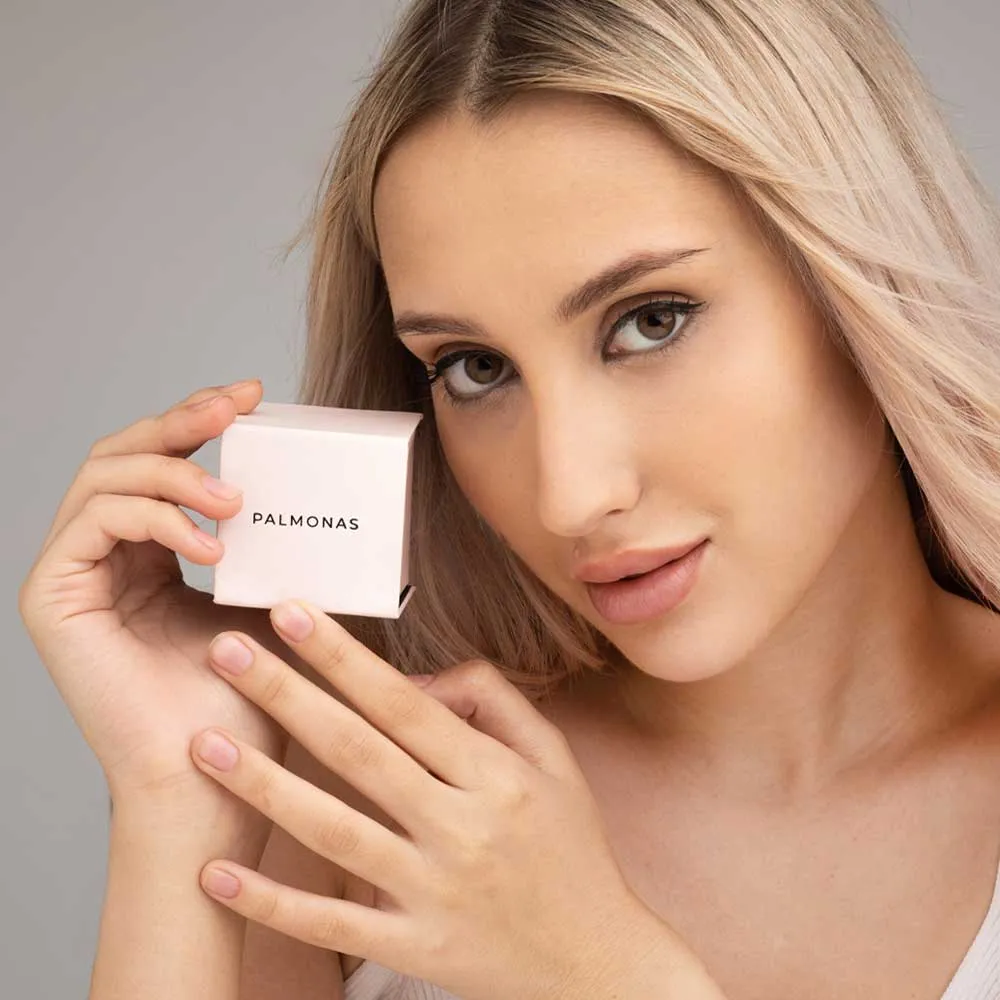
pixel 326 509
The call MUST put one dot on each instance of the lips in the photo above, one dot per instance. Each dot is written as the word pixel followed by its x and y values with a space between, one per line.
pixel 632 564
pixel 649 595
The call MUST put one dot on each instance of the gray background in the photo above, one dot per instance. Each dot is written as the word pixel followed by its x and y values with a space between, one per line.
pixel 154 157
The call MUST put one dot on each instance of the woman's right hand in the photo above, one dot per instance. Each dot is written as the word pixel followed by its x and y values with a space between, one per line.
pixel 123 637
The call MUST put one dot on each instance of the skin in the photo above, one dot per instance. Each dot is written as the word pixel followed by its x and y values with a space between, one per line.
pixel 815 649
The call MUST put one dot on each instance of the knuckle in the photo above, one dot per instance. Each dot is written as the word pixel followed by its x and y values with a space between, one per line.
pixel 100 504
pixel 265 905
pixel 510 791
pixel 560 740
pixel 449 891
pixel 259 787
pixel 25 599
pixel 161 465
pixel 326 928
pixel 337 838
pixel 274 690
pixel 479 673
pixel 333 654
pixel 473 851
pixel 25 589
pixel 401 704
pixel 195 470
pixel 357 750
pixel 101 447
pixel 437 945
pixel 86 471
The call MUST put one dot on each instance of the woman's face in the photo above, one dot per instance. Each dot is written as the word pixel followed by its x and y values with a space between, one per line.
pixel 738 422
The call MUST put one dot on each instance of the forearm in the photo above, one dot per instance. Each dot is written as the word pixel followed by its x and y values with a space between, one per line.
pixel 161 936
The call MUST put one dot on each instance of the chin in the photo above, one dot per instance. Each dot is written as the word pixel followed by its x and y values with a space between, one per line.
pixel 678 665
pixel 692 643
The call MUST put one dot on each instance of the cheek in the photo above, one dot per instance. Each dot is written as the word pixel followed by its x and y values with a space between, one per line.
pixel 778 441
pixel 477 451
pixel 803 442
pixel 490 460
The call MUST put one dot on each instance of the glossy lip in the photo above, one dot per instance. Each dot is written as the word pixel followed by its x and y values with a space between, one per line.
pixel 631 563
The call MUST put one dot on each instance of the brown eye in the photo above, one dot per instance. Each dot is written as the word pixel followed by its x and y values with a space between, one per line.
pixel 471 375
pixel 482 368
pixel 655 324
pixel 463 371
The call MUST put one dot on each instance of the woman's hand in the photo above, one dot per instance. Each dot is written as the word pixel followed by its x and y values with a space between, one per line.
pixel 105 604
pixel 500 881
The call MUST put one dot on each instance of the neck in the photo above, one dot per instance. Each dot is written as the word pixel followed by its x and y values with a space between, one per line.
pixel 875 656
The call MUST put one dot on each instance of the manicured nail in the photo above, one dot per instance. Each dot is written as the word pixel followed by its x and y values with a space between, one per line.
pixel 230 654
pixel 209 541
pixel 221 883
pixel 218 488
pixel 292 619
pixel 215 749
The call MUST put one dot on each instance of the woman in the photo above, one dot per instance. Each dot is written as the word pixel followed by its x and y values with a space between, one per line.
pixel 703 281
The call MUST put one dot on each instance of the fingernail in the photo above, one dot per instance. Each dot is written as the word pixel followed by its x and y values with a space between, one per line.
pixel 215 749
pixel 422 680
pixel 292 619
pixel 221 883
pixel 240 384
pixel 218 488
pixel 231 654
pixel 209 541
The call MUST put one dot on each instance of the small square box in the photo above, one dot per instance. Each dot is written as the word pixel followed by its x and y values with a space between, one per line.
pixel 326 509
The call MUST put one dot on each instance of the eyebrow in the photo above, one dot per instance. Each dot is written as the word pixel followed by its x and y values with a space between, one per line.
pixel 620 274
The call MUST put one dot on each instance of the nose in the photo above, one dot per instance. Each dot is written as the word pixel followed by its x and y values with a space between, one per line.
pixel 585 446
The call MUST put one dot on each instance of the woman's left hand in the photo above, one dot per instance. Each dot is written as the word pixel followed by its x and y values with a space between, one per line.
pixel 506 885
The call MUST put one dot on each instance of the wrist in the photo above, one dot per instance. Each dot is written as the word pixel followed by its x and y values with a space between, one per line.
pixel 216 825
pixel 650 960
pixel 666 967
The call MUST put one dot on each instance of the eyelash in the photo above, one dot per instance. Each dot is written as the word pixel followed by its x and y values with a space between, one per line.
pixel 679 307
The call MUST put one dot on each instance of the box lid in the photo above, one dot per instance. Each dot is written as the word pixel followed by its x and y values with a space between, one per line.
pixel 303 417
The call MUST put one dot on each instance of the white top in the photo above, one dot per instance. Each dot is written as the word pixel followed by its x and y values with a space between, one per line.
pixel 977 977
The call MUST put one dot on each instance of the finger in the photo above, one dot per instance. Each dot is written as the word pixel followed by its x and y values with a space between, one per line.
pixel 186 426
pixel 108 518
pixel 454 752
pixel 158 477
pixel 318 820
pixel 336 924
pixel 179 432
pixel 337 737
pixel 479 693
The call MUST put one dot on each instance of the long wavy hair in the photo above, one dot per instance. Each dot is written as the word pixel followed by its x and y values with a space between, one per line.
pixel 824 127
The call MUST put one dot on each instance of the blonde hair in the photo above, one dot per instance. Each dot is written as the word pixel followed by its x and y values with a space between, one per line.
pixel 824 127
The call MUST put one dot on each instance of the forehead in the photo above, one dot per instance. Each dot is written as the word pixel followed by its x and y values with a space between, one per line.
pixel 560 181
